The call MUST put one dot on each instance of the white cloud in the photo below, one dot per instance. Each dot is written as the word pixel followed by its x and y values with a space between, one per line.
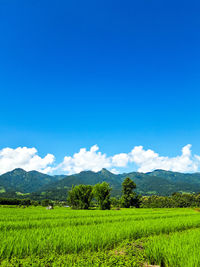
pixel 93 159
pixel 120 160
pixel 25 158
pixel 114 171
pixel 144 160
pixel 148 160
pixel 85 160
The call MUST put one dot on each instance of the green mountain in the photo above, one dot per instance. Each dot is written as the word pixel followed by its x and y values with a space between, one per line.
pixel 158 182
pixel 19 180
pixel 59 189
pixel 39 186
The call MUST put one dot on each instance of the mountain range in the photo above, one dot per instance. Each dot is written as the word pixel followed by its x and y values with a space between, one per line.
pixel 36 185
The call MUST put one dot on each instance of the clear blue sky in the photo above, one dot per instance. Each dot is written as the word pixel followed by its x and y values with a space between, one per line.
pixel 113 73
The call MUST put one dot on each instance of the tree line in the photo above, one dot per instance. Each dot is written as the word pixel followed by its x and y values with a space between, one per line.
pixel 81 197
pixel 28 202
pixel 15 201
pixel 176 200
pixel 99 196
pixel 84 196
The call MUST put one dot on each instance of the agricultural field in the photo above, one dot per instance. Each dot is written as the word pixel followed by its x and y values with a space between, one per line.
pixel 35 236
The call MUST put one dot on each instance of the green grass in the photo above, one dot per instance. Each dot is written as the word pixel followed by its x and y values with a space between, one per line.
pixel 177 249
pixel 64 237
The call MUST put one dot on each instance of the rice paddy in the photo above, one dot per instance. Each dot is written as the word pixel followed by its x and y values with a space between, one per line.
pixel 62 237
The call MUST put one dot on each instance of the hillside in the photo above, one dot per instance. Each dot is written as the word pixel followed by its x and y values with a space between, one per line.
pixel 157 182
pixel 39 186
pixel 19 180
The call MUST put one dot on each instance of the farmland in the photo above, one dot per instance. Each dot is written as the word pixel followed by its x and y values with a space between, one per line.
pixel 126 237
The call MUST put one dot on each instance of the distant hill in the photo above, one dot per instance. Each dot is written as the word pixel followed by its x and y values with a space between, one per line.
pixel 19 180
pixel 60 188
pixel 39 186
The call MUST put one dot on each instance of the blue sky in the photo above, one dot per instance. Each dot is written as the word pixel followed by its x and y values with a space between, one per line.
pixel 118 74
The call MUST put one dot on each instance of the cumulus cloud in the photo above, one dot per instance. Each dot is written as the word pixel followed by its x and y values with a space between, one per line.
pixel 143 160
pixel 120 160
pixel 25 158
pixel 148 160
pixel 85 160
pixel 137 159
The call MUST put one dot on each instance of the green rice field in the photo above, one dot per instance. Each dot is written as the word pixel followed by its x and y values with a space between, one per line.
pixel 35 236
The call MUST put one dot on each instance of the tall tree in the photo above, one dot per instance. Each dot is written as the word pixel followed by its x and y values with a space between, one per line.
pixel 102 194
pixel 80 196
pixel 129 198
